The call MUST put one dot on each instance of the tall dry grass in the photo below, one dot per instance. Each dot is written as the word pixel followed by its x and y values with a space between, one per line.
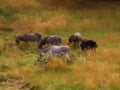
pixel 18 67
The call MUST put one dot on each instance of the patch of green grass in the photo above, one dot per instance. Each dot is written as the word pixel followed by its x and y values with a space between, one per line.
pixel 94 33
pixel 13 77
pixel 4 67
pixel 115 88
pixel 8 14
pixel 70 87
pixel 98 70
pixel 21 63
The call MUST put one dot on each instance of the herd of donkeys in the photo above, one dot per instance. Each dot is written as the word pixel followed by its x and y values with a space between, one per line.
pixel 55 46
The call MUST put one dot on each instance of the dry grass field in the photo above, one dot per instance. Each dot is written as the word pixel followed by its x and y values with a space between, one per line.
pixel 19 69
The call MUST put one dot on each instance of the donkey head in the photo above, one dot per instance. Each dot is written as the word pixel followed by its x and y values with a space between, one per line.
pixel 17 41
pixel 96 45
pixel 41 53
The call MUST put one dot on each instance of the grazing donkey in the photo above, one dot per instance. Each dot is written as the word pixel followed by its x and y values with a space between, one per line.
pixel 29 37
pixel 77 34
pixel 55 51
pixel 88 44
pixel 75 38
pixel 51 40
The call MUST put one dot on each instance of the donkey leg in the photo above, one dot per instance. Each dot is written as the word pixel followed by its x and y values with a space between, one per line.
pixel 26 44
pixel 84 52
pixel 67 57
pixel 73 45
pixel 47 58
pixel 94 50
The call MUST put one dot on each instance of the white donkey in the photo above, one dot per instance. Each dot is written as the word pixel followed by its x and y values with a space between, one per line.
pixel 55 51
pixel 78 34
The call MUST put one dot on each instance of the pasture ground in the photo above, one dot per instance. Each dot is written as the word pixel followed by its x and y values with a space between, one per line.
pixel 18 67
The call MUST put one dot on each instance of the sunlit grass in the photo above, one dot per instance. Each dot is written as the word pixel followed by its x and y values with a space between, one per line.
pixel 18 64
